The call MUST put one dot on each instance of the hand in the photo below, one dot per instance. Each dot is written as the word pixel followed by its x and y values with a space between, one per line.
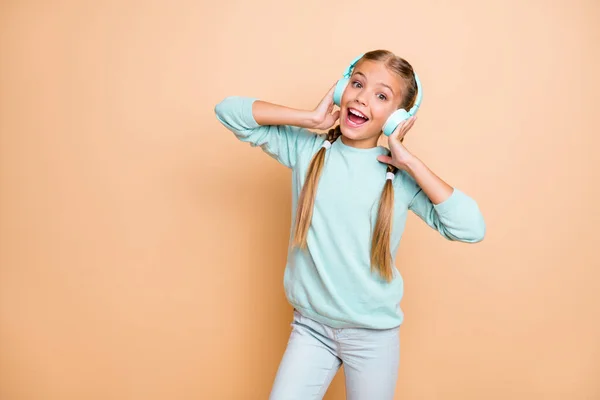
pixel 322 116
pixel 401 157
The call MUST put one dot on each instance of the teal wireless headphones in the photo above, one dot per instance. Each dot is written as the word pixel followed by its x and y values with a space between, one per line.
pixel 397 116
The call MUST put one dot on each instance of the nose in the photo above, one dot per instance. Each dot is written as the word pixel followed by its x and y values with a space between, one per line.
pixel 360 99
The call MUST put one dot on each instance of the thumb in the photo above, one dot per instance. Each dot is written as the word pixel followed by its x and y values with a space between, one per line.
pixel 336 115
pixel 328 99
pixel 385 159
pixel 331 91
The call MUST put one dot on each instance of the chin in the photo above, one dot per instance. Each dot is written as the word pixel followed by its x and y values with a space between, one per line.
pixel 360 133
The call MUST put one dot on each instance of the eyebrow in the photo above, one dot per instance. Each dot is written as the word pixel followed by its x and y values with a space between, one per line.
pixel 381 83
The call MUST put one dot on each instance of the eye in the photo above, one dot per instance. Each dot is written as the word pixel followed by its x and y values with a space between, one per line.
pixel 356 84
pixel 382 96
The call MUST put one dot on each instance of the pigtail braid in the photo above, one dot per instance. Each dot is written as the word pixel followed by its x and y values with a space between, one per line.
pixel 306 200
pixel 381 256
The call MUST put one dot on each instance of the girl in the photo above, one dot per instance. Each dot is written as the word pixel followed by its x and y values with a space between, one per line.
pixel 350 199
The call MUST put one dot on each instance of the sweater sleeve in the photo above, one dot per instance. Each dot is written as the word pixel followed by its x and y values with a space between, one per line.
pixel 457 218
pixel 282 142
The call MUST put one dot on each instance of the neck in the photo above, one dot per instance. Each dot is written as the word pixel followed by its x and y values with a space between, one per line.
pixel 360 143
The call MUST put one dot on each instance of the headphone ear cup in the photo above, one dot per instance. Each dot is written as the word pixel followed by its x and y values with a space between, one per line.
pixel 394 120
pixel 339 90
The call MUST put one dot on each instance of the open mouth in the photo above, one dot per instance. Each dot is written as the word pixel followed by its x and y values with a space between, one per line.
pixel 355 118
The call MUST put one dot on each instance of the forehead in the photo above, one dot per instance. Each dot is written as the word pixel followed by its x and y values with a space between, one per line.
pixel 376 72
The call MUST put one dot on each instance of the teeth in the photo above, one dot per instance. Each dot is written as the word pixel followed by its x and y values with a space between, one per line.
pixel 357 113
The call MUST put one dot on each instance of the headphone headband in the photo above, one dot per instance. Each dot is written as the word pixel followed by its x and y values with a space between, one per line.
pixel 417 104
pixel 350 67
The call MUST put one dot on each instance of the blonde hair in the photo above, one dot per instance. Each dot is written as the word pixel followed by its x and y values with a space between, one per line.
pixel 381 257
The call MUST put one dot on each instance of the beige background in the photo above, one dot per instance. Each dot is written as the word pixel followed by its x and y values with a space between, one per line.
pixel 142 246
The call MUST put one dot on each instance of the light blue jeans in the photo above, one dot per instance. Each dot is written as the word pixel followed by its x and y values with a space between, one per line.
pixel 315 352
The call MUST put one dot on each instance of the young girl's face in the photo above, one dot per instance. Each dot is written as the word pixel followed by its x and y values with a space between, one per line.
pixel 373 93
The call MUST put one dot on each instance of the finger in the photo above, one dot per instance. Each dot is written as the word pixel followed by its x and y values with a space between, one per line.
pixel 329 94
pixel 336 115
pixel 385 159
pixel 405 126
pixel 397 131
pixel 328 99
pixel 332 88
